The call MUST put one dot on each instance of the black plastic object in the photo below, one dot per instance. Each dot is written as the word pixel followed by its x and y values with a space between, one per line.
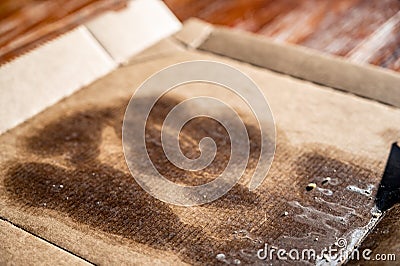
pixel 389 188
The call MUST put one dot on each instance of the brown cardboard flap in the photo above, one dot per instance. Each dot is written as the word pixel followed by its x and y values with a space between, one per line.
pixel 364 80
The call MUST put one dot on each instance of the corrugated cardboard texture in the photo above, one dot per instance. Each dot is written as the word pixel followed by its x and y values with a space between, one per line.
pixel 64 178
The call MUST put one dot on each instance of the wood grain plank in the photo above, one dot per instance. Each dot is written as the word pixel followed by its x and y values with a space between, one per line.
pixel 334 26
pixel 346 26
pixel 373 50
pixel 185 9
pixel 27 24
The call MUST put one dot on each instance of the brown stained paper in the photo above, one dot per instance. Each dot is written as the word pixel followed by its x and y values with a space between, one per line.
pixel 63 175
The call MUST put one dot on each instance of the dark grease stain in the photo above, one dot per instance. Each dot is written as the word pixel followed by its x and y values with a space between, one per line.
pixel 107 198
pixel 332 174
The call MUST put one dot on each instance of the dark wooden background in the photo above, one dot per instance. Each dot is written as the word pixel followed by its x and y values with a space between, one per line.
pixel 25 24
pixel 361 30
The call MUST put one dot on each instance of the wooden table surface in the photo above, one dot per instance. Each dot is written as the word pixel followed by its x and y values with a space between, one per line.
pixel 362 30
pixel 25 24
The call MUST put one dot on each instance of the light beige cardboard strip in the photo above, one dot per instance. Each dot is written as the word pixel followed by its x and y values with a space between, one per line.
pixel 19 247
pixel 364 80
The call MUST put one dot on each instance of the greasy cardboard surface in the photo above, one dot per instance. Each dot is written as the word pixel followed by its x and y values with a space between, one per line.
pixel 64 178
pixel 384 239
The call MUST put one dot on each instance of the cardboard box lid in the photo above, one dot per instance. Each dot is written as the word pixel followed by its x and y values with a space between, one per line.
pixel 64 178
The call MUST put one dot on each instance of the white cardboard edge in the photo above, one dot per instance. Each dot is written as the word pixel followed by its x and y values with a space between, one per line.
pixel 49 73
pixel 131 30
pixel 55 70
